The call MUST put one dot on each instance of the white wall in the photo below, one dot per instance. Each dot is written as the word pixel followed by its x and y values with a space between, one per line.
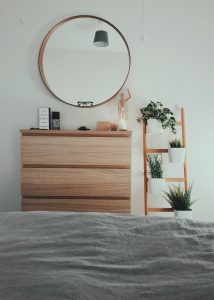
pixel 173 64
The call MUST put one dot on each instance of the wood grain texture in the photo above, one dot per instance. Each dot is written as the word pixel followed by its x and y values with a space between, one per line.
pixel 81 205
pixel 75 182
pixel 156 150
pixel 145 169
pixel 160 209
pixel 173 179
pixel 74 151
pixel 76 171
pixel 77 133
pixel 76 166
pixel 184 144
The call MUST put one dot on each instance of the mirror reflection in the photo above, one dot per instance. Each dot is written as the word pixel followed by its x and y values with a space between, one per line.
pixel 81 68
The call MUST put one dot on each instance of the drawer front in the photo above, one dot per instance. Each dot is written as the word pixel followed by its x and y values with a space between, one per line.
pixel 59 150
pixel 76 182
pixel 81 205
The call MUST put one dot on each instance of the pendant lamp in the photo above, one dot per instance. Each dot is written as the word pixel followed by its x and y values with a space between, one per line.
pixel 101 38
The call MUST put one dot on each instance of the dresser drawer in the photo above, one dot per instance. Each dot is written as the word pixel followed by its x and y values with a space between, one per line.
pixel 71 151
pixel 73 170
pixel 76 182
pixel 81 205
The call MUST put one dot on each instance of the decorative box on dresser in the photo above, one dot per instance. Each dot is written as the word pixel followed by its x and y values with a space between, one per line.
pixel 66 170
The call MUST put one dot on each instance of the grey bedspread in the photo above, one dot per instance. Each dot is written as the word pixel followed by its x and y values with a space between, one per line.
pixel 97 256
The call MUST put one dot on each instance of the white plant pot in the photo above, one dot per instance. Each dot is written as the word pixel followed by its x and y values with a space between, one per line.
pixel 154 126
pixel 156 185
pixel 177 155
pixel 183 214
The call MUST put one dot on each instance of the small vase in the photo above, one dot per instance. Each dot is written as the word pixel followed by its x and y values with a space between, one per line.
pixel 122 125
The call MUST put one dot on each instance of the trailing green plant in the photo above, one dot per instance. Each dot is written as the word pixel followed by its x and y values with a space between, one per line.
pixel 178 198
pixel 155 165
pixel 176 143
pixel 156 110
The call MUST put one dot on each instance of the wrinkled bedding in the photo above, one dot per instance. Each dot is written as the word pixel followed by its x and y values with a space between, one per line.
pixel 97 256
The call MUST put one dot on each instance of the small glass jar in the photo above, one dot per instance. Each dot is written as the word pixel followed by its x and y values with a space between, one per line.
pixel 55 120
pixel 114 126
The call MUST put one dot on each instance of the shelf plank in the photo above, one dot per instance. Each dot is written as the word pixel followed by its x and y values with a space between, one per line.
pixel 80 166
pixel 175 179
pixel 160 209
pixel 172 179
pixel 156 150
pixel 75 133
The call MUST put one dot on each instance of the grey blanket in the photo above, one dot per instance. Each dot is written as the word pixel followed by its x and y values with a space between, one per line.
pixel 96 256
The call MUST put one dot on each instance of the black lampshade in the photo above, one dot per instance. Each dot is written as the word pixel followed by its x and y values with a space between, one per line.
pixel 101 38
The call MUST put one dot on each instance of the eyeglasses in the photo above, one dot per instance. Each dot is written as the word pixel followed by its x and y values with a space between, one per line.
pixel 84 103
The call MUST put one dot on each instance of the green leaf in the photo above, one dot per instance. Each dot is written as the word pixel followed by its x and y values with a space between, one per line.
pixel 178 198
pixel 155 110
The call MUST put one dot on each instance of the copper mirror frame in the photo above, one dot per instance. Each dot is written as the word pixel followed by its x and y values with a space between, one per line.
pixel 42 56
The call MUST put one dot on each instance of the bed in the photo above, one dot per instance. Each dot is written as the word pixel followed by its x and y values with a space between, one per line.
pixel 95 256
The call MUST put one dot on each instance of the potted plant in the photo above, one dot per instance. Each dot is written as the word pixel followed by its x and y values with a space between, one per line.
pixel 156 182
pixel 157 117
pixel 176 151
pixel 180 201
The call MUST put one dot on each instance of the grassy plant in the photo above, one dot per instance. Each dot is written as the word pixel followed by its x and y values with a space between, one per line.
pixel 178 198
pixel 155 164
pixel 176 143
pixel 156 110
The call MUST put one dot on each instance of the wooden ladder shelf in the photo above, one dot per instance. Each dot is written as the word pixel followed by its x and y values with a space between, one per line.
pixel 153 150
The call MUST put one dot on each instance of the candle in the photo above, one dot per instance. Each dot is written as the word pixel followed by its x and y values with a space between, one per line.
pixel 122 125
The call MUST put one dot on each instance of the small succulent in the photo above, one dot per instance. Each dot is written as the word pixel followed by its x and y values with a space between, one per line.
pixel 155 164
pixel 176 143
pixel 156 110
pixel 178 198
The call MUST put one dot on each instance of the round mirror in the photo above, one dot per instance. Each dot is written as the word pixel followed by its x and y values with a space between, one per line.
pixel 84 61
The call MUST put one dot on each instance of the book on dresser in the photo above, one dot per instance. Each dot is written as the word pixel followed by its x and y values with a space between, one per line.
pixel 67 170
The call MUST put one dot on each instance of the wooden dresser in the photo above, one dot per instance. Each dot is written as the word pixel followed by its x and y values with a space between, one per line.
pixel 76 170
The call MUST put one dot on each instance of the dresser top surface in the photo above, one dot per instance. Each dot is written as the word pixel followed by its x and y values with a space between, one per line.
pixel 80 133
